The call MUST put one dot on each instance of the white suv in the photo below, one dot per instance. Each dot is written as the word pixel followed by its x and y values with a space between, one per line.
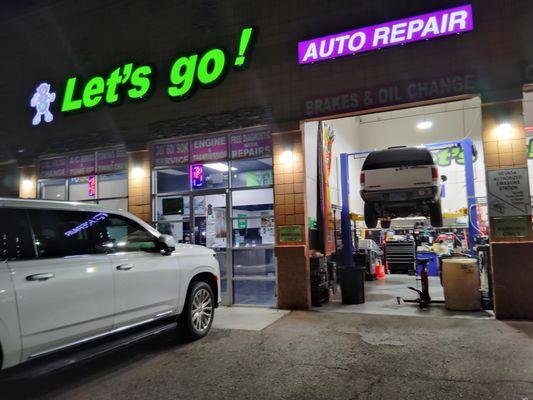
pixel 401 182
pixel 73 273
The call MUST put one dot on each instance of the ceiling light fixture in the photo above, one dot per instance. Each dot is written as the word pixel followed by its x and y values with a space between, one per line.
pixel 424 124
pixel 219 167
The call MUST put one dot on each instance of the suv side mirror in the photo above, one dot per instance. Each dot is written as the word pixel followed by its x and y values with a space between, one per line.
pixel 444 178
pixel 167 244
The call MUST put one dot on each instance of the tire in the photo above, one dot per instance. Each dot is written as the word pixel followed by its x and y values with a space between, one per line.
pixel 371 217
pixel 192 324
pixel 385 224
pixel 435 214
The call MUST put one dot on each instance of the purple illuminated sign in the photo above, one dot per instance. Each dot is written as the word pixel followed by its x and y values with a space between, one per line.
pixel 209 149
pixel 170 153
pixel 111 160
pixel 81 164
pixel 388 34
pixel 53 168
pixel 251 144
pixel 197 176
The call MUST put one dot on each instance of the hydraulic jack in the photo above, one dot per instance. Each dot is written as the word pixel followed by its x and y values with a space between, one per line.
pixel 424 299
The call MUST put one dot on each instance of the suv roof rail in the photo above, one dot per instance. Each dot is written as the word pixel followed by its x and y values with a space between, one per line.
pixel 396 147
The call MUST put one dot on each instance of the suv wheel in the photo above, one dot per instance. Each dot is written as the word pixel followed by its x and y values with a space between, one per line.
pixel 371 217
pixel 435 214
pixel 197 317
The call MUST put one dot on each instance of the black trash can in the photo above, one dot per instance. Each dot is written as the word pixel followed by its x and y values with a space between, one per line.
pixel 352 280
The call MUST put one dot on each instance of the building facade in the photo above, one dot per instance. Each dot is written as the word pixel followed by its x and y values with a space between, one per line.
pixel 190 114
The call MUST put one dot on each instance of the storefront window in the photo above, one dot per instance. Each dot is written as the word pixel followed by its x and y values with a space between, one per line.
pixel 78 189
pixel 249 173
pixel 170 180
pixel 52 189
pixel 214 176
pixel 109 189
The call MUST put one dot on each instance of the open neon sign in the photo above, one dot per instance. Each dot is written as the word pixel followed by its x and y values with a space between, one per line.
pixel 394 33
pixel 197 176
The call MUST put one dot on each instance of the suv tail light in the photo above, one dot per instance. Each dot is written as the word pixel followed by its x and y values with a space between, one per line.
pixel 435 173
pixel 362 179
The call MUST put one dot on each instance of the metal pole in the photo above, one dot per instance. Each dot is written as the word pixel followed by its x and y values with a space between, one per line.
pixel 466 145
pixel 347 243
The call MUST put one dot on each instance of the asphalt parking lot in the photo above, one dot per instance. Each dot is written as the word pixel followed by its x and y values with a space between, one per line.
pixel 309 355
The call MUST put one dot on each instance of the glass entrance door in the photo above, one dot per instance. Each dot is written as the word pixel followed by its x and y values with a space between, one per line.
pixel 211 230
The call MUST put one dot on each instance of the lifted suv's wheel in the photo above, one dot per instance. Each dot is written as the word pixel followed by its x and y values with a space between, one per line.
pixel 198 313
pixel 371 217
pixel 435 214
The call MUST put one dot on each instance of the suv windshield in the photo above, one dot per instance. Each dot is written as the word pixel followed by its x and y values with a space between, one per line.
pixel 398 157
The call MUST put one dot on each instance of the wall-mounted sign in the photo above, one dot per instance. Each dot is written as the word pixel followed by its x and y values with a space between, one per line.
pixel 81 164
pixel 251 144
pixel 41 100
pixel 92 186
pixel 197 176
pixel 290 234
pixel 111 160
pixel 53 168
pixel 135 81
pixel 395 33
pixel 392 93
pixel 209 149
pixel 510 227
pixel 508 192
pixel 444 157
pixel 170 153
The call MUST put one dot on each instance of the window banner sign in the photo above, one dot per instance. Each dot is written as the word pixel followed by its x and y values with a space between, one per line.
pixel 251 144
pixel 209 149
pixel 393 93
pixel 53 168
pixel 395 33
pixel 81 164
pixel 170 153
pixel 111 160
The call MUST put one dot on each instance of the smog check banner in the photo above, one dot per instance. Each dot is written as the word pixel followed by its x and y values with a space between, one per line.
pixel 394 33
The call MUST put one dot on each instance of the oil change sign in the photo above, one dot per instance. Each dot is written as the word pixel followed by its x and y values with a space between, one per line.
pixel 135 82
pixel 508 193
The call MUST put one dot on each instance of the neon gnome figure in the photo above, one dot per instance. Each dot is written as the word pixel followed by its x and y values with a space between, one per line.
pixel 41 102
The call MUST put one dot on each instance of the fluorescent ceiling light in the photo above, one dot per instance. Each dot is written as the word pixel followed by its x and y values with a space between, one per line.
pixel 424 124
pixel 219 167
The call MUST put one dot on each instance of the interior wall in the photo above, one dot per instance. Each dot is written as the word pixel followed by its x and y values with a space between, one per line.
pixel 451 121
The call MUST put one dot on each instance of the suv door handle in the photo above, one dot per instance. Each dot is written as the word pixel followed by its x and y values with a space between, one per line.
pixel 125 267
pixel 40 277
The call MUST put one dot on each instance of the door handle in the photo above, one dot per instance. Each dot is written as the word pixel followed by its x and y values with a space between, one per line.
pixel 40 277
pixel 125 267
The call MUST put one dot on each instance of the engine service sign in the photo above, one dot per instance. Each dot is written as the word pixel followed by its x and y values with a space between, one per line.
pixel 395 33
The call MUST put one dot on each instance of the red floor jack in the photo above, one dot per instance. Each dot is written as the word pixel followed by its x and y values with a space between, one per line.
pixel 424 298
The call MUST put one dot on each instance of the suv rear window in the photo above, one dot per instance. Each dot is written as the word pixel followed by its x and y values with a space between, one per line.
pixel 399 157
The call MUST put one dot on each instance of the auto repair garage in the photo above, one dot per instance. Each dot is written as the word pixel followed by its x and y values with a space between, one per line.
pixel 421 172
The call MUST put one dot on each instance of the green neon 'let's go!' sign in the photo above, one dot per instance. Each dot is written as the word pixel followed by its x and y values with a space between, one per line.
pixel 136 82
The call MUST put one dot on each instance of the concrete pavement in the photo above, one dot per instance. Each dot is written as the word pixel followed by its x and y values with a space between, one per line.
pixel 310 355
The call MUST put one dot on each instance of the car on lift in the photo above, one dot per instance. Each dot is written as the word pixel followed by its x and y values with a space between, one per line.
pixel 74 274
pixel 400 181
